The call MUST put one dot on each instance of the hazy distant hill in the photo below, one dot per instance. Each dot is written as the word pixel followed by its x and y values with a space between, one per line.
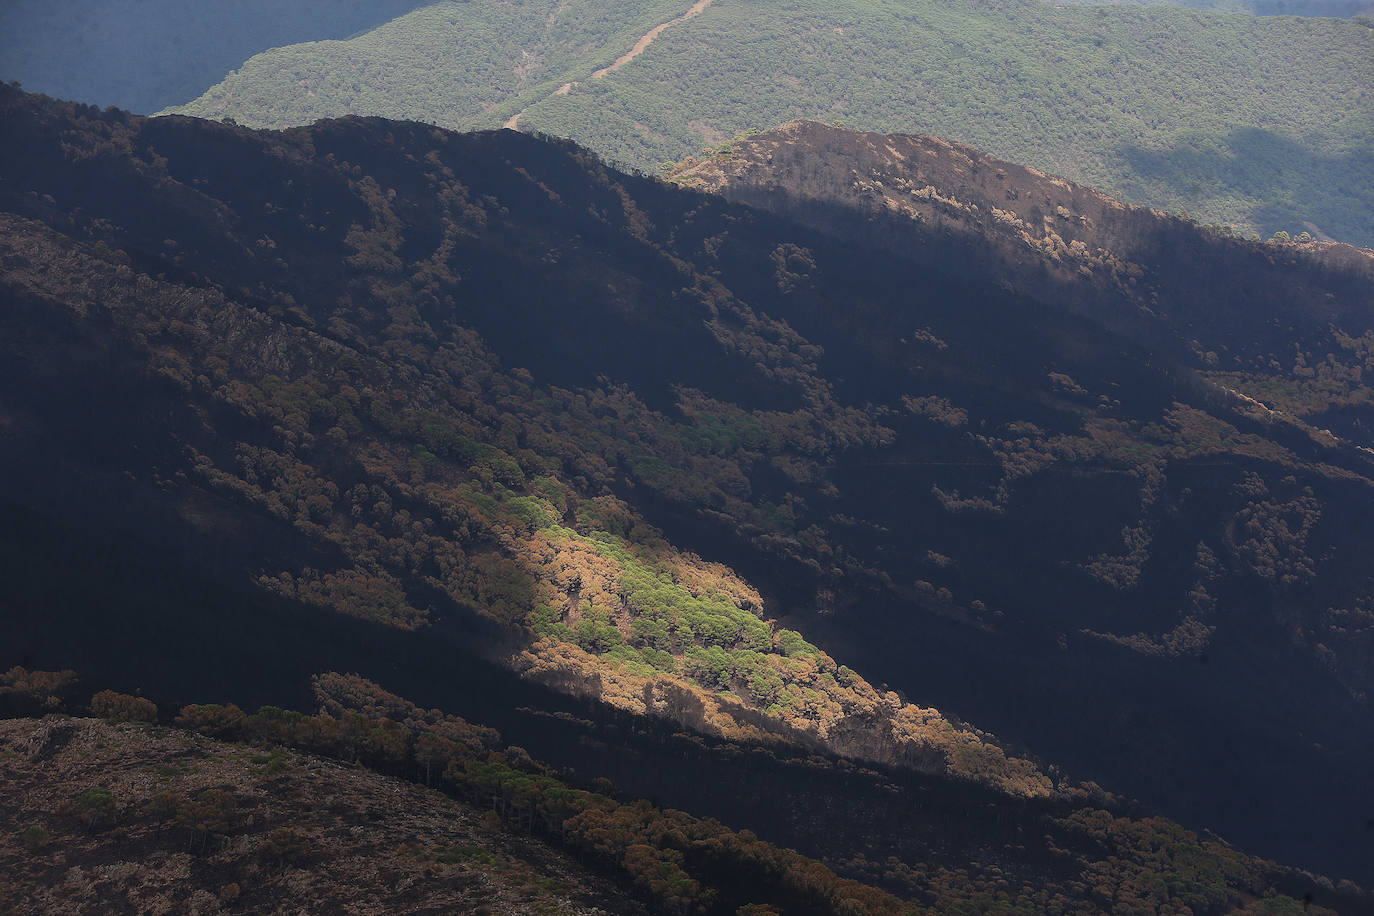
pixel 144 55
pixel 457 64
pixel 1264 123
pixel 788 489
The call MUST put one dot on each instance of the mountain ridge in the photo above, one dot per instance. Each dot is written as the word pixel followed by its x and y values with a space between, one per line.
pixel 1166 106
pixel 1069 231
pixel 538 385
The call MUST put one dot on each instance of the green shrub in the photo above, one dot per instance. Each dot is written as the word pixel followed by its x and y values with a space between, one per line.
pixel 289 846
pixel 35 837
pixel 97 807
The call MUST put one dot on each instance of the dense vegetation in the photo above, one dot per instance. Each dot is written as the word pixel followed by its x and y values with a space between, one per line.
pixel 144 55
pixel 1171 108
pixel 696 463
pixel 1343 9
pixel 455 64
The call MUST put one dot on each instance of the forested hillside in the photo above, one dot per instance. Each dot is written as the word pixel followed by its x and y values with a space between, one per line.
pixel 458 65
pixel 657 483
pixel 1171 108
pixel 1342 9
pixel 144 55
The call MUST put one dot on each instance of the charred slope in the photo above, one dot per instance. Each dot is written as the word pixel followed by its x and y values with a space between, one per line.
pixel 402 374
pixel 949 207
pixel 128 816
pixel 1247 333
pixel 127 813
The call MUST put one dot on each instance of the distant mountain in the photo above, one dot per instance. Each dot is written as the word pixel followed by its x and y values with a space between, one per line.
pixel 786 490
pixel 1165 107
pixel 457 64
pixel 145 55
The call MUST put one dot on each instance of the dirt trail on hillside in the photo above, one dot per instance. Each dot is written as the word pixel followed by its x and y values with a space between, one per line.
pixel 513 122
pixel 648 38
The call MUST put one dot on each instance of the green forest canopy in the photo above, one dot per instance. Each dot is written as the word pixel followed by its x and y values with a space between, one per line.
pixel 1339 8
pixel 1169 107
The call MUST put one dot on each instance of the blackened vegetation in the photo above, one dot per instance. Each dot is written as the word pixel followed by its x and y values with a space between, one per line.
pixel 484 390
pixel 1060 856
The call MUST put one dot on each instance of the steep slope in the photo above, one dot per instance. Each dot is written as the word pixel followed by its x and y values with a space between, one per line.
pixel 109 817
pixel 483 395
pixel 128 813
pixel 527 530
pixel 1267 365
pixel 144 55
pixel 1166 107
pixel 937 202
